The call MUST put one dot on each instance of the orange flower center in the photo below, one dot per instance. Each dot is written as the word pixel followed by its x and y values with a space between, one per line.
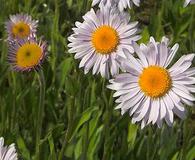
pixel 105 39
pixel 28 55
pixel 155 81
pixel 21 30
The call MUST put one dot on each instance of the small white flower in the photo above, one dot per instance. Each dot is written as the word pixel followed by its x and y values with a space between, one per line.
pixel 21 26
pixel 189 2
pixel 122 4
pixel 101 38
pixel 150 90
pixel 7 152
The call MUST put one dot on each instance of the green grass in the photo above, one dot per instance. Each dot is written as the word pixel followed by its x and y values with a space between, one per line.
pixel 79 120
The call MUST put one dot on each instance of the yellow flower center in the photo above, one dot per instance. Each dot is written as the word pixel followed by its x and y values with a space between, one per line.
pixel 28 55
pixel 21 30
pixel 155 81
pixel 105 39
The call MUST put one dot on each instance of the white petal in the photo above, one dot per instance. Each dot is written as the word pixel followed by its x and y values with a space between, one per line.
pixel 137 106
pixel 126 65
pixel 168 102
pixel 163 54
pixel 162 109
pixel 132 102
pixel 140 54
pixel 183 94
pixel 143 111
pixel 154 112
pixel 169 117
pixel 172 53
pixel 151 55
pixel 96 67
pixel 179 113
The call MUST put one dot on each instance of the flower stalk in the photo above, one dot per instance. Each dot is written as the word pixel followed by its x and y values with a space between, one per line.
pixel 40 112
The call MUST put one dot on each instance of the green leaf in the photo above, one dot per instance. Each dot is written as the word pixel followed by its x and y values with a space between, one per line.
pixel 86 115
pixel 132 133
pixel 78 149
pixel 94 142
pixel 191 154
pixel 175 157
pixel 65 67
pixel 52 147
pixel 23 149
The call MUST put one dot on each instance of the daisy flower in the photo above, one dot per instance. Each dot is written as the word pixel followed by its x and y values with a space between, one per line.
pixel 7 153
pixel 20 26
pixel 189 2
pixel 100 38
pixel 150 90
pixel 26 55
pixel 122 4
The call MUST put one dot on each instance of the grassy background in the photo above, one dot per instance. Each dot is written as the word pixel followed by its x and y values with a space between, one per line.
pixel 79 120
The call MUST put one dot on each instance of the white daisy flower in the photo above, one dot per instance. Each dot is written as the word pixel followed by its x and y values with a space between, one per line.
pixel 100 38
pixel 150 90
pixel 189 2
pixel 21 26
pixel 122 4
pixel 7 153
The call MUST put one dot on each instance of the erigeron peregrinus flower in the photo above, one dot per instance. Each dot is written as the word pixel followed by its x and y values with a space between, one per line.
pixel 27 55
pixel 101 38
pixel 151 90
pixel 21 26
pixel 122 4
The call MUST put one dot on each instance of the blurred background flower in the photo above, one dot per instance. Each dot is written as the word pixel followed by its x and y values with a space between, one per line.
pixel 21 26
pixel 122 4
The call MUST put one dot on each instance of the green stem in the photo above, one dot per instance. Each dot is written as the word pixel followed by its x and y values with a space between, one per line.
pixel 69 129
pixel 108 112
pixel 54 38
pixel 85 139
pixel 40 113
pixel 14 102
pixel 191 29
pixel 149 143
